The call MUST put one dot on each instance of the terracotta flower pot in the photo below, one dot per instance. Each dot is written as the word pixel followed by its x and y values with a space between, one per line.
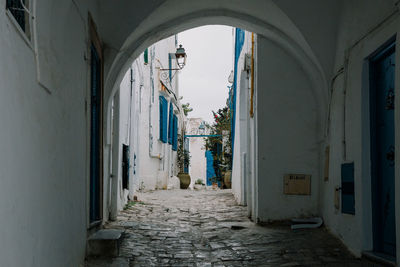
pixel 184 179
pixel 227 179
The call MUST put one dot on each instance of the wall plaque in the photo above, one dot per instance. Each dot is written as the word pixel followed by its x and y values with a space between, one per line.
pixel 297 184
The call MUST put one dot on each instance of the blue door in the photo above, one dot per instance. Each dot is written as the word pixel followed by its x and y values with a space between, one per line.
pixel 382 150
pixel 210 167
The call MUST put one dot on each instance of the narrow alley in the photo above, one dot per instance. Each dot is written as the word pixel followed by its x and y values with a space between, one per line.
pixel 207 228
pixel 192 133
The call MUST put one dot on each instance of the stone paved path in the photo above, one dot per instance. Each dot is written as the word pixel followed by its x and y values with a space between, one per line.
pixel 207 228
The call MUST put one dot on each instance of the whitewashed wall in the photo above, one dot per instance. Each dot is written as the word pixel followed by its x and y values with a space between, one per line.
pixel 287 134
pixel 198 161
pixel 43 159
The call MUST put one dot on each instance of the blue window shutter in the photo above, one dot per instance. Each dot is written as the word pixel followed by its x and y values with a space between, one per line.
pixel 348 201
pixel 146 56
pixel 170 123
pixel 175 133
pixel 163 119
pixel 170 67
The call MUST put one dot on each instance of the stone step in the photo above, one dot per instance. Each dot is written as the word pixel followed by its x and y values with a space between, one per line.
pixel 376 259
pixel 104 243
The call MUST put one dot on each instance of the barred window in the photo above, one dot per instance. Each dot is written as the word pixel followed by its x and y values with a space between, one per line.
pixel 20 14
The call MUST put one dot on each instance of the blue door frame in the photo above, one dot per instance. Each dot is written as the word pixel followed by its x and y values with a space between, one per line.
pixel 95 135
pixel 382 73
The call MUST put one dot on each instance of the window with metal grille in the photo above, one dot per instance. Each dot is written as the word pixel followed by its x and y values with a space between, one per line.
pixel 163 119
pixel 16 8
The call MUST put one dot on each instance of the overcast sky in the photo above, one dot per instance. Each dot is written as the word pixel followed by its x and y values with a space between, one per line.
pixel 203 81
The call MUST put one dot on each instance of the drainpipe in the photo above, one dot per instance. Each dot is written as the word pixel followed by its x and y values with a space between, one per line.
pixel 252 77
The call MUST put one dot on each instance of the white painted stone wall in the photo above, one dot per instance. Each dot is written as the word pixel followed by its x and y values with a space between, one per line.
pixel 198 161
pixel 287 134
pixel 43 138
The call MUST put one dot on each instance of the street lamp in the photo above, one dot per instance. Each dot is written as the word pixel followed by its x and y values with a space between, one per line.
pixel 180 56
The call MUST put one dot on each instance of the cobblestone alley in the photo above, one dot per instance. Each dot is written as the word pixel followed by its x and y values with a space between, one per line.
pixel 207 228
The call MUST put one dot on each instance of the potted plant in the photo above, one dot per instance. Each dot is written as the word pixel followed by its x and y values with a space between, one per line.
pixel 183 163
pixel 198 184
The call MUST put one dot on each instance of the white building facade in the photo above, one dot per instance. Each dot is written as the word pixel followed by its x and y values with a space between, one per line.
pixel 147 117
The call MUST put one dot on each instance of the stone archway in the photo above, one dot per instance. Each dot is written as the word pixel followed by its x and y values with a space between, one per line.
pixel 172 17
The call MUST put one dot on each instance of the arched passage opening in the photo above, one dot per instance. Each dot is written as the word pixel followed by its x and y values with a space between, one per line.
pixel 290 88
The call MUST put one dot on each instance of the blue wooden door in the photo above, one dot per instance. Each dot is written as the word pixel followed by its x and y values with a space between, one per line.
pixel 383 144
pixel 95 136
pixel 210 167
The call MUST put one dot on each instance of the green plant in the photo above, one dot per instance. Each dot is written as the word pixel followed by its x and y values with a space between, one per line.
pixel 221 146
pixel 182 154
pixel 199 181
pixel 186 108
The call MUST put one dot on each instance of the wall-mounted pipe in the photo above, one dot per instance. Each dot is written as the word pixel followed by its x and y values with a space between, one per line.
pixel 252 77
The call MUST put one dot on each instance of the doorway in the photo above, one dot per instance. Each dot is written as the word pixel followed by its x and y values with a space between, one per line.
pixel 125 167
pixel 96 126
pixel 382 77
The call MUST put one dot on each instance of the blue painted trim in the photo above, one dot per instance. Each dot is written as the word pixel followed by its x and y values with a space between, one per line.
pixel 175 133
pixel 239 41
pixel 170 123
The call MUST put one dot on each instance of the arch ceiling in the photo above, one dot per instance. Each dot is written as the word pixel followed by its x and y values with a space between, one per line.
pixel 127 29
